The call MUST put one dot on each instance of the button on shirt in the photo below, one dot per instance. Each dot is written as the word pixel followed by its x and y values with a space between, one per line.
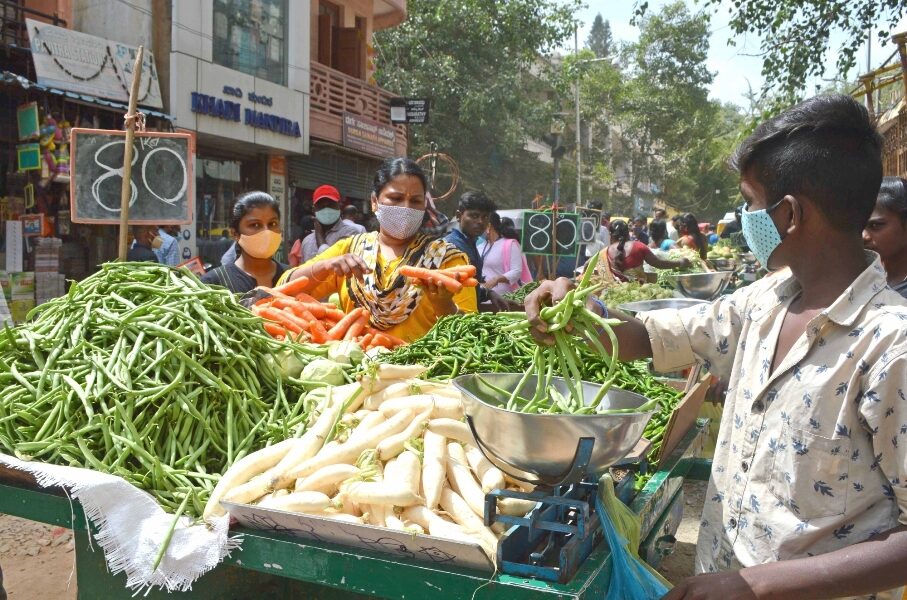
pixel 811 457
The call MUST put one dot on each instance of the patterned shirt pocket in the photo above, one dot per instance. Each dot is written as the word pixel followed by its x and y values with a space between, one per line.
pixel 810 477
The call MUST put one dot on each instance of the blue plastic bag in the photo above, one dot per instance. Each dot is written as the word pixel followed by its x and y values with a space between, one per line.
pixel 631 577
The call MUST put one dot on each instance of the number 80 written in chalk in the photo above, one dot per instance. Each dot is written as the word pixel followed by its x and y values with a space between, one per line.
pixel 117 172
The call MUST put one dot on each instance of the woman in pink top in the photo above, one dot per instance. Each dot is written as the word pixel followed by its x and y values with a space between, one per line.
pixel 624 255
pixel 502 259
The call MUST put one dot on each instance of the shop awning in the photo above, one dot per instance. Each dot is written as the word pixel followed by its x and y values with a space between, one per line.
pixel 9 78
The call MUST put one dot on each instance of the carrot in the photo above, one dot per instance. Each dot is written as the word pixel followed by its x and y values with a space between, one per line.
pixel 273 293
pixel 280 317
pixel 437 277
pixel 338 330
pixel 356 328
pixel 387 340
pixel 471 282
pixel 318 332
pixel 333 314
pixel 275 330
pixel 296 286
pixel 316 308
pixel 300 321
pixel 366 340
pixel 303 297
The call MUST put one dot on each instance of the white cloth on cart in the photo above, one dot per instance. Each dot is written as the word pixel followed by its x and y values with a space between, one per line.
pixel 131 527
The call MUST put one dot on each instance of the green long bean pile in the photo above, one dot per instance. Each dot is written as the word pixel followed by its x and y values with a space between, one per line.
pixel 144 372
pixel 519 296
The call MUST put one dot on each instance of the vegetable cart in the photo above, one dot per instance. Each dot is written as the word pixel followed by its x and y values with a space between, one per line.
pixel 271 564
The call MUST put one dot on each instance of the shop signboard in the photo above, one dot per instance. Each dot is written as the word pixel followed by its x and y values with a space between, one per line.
pixel 410 110
pixel 162 181
pixel 75 61
pixel 368 136
pixel 546 233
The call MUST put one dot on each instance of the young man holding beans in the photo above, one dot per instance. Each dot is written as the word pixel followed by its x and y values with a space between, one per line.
pixel 808 492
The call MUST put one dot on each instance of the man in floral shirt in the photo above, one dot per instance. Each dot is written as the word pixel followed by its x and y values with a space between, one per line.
pixel 808 494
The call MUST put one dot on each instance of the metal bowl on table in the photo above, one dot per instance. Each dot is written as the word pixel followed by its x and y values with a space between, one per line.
pixel 542 448
pixel 659 304
pixel 724 264
pixel 703 286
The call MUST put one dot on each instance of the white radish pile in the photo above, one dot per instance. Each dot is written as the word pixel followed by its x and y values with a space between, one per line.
pixel 391 450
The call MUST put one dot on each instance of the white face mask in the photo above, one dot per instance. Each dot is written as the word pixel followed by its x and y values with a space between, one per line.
pixel 399 222
pixel 328 216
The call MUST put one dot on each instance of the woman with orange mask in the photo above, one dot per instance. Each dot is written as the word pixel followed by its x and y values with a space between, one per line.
pixel 255 226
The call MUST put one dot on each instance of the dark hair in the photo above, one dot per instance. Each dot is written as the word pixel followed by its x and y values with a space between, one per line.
pixel 688 220
pixel 350 209
pixel 620 234
pixel 393 167
pixel 476 201
pixel 825 147
pixel 893 196
pixel 658 231
pixel 247 202
pixel 503 227
pixel 660 210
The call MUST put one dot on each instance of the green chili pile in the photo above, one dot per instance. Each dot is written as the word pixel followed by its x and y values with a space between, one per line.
pixel 142 371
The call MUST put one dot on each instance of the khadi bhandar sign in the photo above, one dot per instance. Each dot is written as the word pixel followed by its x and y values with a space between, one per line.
pixel 370 137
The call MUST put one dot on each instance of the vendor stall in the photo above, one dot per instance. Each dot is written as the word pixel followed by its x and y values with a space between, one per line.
pixel 144 389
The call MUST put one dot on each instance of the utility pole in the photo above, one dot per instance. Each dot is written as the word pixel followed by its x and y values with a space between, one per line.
pixel 579 144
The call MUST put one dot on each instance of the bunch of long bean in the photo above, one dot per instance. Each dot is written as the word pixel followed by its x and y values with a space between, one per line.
pixel 144 372
pixel 519 295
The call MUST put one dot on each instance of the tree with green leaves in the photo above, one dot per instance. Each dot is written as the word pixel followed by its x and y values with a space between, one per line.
pixel 478 61
pixel 796 36
pixel 600 40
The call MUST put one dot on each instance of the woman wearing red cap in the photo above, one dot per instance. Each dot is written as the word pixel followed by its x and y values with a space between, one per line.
pixel 363 269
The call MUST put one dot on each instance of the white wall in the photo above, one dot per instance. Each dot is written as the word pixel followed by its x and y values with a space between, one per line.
pixel 192 70
pixel 128 23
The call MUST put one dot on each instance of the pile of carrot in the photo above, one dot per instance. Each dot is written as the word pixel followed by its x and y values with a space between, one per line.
pixel 453 279
pixel 290 313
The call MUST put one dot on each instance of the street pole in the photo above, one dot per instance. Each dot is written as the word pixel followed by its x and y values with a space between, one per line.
pixel 579 162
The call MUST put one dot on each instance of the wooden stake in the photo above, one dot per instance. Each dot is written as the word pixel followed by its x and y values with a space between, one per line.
pixel 127 155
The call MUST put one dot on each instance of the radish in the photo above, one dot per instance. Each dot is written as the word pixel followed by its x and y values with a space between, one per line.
pixel 489 475
pixel 453 429
pixel 516 507
pixel 368 422
pixel 462 481
pixel 348 451
pixel 434 467
pixel 327 479
pixel 408 471
pixel 380 493
pixel 395 390
pixel 441 405
pixel 304 502
pixel 463 515
pixel 391 446
pixel 340 516
pixel 242 471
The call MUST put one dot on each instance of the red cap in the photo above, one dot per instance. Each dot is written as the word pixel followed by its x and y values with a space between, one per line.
pixel 326 191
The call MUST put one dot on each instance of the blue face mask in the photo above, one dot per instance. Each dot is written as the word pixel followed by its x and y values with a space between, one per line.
pixel 760 232
pixel 328 216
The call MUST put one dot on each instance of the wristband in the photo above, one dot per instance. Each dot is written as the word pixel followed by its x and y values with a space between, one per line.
pixel 598 302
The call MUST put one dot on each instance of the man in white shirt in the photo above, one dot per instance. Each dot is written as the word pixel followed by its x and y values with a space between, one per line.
pixel 329 227
pixel 808 492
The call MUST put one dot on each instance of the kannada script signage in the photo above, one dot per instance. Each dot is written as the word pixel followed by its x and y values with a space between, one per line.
pixel 370 137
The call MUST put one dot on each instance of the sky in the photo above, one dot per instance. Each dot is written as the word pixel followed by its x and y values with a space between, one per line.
pixel 733 69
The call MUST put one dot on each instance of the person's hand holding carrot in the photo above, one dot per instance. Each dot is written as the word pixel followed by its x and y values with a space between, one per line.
pixel 440 296
pixel 347 265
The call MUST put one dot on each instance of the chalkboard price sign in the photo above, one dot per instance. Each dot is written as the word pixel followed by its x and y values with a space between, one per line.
pixel 161 185
pixel 588 228
pixel 544 234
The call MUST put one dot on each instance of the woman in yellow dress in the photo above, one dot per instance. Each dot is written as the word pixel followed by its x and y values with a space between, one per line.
pixel 363 269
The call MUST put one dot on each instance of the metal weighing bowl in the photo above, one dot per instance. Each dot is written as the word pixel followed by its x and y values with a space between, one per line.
pixel 662 303
pixel 544 446
pixel 725 264
pixel 703 286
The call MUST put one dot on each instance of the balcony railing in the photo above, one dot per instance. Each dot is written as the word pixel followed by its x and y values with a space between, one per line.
pixel 334 93
pixel 12 22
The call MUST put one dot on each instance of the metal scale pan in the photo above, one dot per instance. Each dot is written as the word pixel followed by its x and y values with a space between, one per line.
pixel 550 450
